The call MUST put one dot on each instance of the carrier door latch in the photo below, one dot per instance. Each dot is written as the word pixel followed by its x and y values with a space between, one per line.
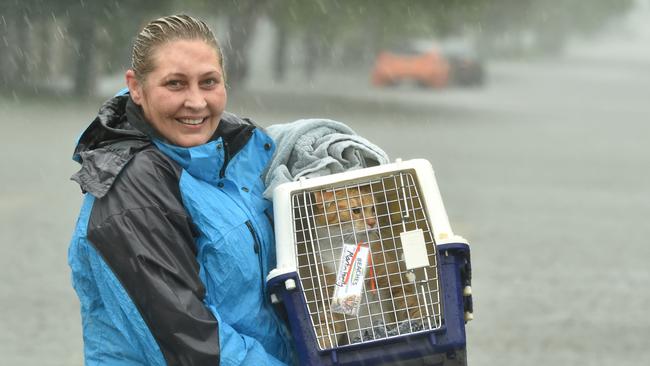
pixel 466 280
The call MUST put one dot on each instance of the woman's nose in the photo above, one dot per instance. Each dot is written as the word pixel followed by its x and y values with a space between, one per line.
pixel 194 99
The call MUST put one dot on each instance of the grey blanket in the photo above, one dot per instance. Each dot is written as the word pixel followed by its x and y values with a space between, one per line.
pixel 317 147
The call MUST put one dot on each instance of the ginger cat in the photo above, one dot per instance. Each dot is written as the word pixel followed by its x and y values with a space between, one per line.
pixel 348 216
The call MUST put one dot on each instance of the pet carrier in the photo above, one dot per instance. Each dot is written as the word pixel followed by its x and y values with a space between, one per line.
pixel 369 271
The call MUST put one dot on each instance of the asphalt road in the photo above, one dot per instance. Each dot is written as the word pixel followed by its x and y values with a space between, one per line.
pixel 544 171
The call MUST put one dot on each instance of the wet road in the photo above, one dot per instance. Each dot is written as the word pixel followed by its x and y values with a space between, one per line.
pixel 544 171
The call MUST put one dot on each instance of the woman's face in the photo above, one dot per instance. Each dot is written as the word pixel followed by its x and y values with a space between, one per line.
pixel 184 95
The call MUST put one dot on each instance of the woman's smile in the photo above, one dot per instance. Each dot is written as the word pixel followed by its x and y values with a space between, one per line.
pixel 192 121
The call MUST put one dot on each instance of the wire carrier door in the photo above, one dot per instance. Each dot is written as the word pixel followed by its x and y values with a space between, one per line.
pixel 366 259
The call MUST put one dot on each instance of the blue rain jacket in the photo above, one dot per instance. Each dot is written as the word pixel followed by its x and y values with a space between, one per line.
pixel 172 246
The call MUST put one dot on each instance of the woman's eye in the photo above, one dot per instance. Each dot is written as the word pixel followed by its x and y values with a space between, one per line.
pixel 210 82
pixel 174 84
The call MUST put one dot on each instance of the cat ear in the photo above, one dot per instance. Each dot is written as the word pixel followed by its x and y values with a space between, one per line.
pixel 324 196
pixel 318 197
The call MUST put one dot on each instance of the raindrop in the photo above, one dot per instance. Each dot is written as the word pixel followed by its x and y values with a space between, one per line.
pixel 60 32
pixel 322 7
pixel 28 22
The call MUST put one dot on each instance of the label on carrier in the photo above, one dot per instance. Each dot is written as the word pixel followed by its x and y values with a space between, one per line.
pixel 350 278
pixel 415 249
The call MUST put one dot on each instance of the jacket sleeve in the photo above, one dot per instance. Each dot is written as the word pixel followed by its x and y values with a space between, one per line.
pixel 143 233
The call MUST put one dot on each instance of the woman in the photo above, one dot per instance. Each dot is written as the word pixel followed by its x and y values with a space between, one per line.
pixel 174 240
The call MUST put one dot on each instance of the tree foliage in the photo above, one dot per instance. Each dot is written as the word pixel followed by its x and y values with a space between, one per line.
pixel 96 35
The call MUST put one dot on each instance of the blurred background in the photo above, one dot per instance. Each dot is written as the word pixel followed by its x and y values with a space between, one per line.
pixel 534 114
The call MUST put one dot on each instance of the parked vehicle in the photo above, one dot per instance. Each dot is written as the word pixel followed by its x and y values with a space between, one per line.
pixel 425 67
pixel 429 64
pixel 466 68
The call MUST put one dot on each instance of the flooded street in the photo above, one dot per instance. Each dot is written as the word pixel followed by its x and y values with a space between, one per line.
pixel 545 171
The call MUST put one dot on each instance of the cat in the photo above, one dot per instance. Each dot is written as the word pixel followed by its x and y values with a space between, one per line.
pixel 348 216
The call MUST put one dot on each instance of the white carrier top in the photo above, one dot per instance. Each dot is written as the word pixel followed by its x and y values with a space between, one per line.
pixel 421 169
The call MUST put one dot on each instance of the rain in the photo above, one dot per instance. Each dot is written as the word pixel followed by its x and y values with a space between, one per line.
pixel 540 149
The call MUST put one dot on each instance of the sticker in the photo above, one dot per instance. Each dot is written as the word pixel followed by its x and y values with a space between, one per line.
pixel 350 278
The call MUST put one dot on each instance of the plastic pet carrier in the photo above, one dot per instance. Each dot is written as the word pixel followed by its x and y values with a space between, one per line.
pixel 368 268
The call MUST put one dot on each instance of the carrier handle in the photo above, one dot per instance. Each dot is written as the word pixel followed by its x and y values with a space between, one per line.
pixel 461 251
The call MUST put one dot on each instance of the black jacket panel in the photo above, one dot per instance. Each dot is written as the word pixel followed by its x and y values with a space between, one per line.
pixel 145 235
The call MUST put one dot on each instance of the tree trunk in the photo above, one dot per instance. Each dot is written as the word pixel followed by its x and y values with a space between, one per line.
pixel 85 73
pixel 7 61
pixel 44 50
pixel 280 52
pixel 23 52
pixel 311 50
pixel 240 29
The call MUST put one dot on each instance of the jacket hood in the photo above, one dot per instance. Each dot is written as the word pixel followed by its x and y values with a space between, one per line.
pixel 108 144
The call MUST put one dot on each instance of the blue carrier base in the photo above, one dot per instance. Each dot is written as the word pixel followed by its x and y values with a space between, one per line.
pixel 445 346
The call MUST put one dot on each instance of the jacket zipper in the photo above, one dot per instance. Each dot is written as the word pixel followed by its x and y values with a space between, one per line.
pixel 226 158
pixel 257 247
pixel 258 250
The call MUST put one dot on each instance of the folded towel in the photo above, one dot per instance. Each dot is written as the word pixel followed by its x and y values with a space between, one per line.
pixel 314 148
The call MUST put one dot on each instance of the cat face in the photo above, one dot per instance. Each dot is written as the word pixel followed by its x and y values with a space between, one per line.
pixel 346 207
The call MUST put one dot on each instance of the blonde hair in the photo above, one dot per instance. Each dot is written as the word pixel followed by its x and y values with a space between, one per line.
pixel 167 29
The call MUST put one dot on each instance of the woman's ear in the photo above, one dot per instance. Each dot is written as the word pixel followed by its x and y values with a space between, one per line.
pixel 135 87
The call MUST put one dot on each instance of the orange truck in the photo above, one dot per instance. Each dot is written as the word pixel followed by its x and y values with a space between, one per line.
pixel 427 69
